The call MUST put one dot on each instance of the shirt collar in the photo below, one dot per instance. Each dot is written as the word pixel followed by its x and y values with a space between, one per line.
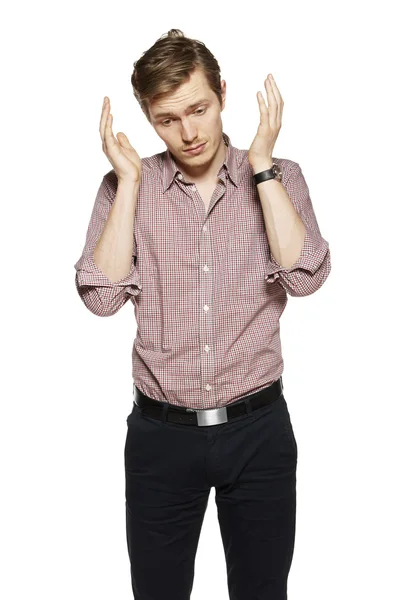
pixel 170 168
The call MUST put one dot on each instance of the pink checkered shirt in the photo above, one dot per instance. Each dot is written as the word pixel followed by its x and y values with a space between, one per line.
pixel 206 291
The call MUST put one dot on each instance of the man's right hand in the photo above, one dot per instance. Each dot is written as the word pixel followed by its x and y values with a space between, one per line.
pixel 123 157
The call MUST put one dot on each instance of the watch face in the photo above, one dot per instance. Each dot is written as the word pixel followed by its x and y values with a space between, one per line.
pixel 277 172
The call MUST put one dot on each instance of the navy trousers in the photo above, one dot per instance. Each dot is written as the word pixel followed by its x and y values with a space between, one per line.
pixel 170 468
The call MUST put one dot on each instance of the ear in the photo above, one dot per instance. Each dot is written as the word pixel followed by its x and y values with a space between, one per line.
pixel 223 93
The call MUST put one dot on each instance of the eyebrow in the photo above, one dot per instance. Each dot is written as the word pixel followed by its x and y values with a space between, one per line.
pixel 189 108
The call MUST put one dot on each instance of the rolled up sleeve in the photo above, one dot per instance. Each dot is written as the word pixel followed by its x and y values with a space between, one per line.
pixel 313 266
pixel 100 295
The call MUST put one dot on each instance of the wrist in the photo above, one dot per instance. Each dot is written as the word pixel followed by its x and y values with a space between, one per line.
pixel 262 166
pixel 128 183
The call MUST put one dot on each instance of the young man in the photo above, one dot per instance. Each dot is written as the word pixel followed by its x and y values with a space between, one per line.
pixel 206 244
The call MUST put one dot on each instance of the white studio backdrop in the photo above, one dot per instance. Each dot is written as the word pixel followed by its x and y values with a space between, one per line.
pixel 66 377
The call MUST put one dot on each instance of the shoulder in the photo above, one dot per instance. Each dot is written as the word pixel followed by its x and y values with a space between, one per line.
pixel 286 165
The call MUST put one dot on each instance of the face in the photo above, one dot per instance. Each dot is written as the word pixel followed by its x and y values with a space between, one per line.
pixel 189 117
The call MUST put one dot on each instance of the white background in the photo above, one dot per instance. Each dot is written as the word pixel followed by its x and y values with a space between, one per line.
pixel 66 377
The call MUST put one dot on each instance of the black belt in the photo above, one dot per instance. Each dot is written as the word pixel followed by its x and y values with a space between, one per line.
pixel 209 416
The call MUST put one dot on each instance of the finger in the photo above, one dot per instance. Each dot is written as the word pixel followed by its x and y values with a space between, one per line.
pixel 122 138
pixel 271 99
pixel 274 89
pixel 108 133
pixel 103 119
pixel 278 97
pixel 264 113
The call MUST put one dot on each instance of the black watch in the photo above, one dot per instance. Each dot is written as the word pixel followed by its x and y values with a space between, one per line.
pixel 274 173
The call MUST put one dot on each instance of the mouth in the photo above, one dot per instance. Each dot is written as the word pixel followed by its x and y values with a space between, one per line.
pixel 196 149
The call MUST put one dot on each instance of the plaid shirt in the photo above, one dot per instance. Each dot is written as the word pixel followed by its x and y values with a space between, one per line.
pixel 206 291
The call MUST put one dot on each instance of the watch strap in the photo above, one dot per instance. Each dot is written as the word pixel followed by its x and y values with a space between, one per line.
pixel 264 176
pixel 273 173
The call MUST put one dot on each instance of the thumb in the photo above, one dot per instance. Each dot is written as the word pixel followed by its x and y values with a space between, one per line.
pixel 122 138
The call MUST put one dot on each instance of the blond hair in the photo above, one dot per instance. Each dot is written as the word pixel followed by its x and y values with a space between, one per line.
pixel 169 63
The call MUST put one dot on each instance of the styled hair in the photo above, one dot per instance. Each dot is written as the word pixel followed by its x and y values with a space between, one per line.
pixel 168 64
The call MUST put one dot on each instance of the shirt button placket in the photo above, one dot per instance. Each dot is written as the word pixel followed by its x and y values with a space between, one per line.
pixel 206 291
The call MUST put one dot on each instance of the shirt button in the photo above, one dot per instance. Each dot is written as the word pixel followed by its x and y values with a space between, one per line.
pixel 208 387
pixel 179 176
pixel 204 228
pixel 205 268
pixel 207 348
pixel 206 308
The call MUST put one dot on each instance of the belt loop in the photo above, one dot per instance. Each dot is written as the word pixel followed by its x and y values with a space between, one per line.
pixel 248 405
pixel 165 407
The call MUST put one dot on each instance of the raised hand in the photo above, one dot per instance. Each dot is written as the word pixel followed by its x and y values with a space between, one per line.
pixel 261 151
pixel 123 157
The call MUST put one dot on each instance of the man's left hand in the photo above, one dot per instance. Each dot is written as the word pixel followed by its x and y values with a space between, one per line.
pixel 261 151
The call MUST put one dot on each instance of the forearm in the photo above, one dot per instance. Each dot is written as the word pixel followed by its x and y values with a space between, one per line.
pixel 284 227
pixel 113 251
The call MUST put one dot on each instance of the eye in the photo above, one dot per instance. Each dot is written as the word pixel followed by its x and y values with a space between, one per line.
pixel 197 111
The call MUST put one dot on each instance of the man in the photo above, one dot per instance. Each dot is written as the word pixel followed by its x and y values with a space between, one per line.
pixel 206 244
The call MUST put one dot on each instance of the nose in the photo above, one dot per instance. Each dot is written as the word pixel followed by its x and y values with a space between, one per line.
pixel 189 133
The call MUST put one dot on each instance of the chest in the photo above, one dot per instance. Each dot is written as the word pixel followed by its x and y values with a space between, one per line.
pixel 206 192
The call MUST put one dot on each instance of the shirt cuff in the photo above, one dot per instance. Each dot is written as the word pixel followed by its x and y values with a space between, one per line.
pixel 312 255
pixel 89 274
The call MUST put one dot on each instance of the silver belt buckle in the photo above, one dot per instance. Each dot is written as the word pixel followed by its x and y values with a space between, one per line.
pixel 210 416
